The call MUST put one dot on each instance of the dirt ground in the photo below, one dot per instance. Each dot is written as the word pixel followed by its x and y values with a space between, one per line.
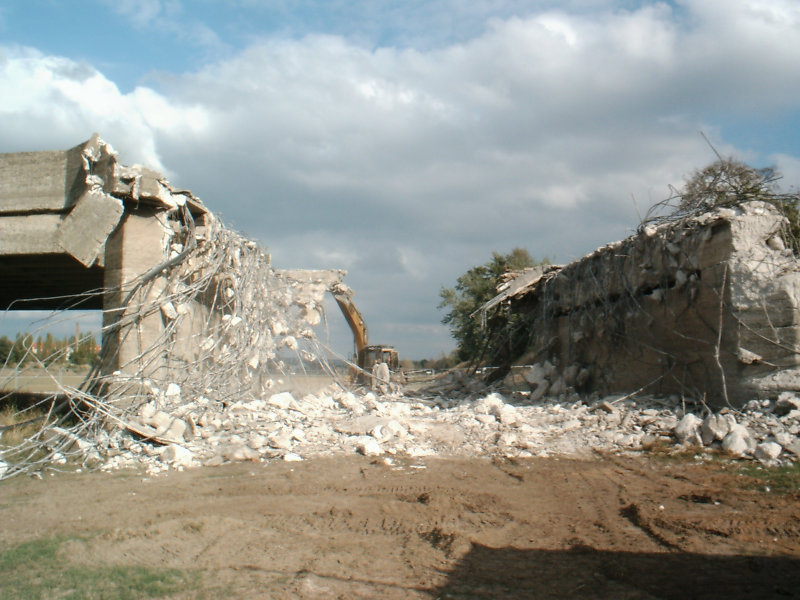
pixel 355 527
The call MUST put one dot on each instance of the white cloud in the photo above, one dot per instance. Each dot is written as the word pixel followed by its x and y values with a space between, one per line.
pixel 407 166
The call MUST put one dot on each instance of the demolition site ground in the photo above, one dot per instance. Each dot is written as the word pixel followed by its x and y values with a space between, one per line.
pixel 615 526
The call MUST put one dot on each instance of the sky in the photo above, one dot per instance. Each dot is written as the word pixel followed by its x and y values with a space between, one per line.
pixel 406 141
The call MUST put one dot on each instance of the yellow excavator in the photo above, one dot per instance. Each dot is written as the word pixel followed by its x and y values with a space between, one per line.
pixel 365 355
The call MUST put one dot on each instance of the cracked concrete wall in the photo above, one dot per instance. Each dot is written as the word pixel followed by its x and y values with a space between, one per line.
pixel 707 307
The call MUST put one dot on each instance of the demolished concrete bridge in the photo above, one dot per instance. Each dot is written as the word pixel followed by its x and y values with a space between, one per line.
pixel 707 305
pixel 184 300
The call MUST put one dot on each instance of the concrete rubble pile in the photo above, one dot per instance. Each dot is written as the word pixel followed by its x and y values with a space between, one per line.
pixel 171 431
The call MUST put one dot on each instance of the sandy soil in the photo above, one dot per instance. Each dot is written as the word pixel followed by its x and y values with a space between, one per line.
pixel 430 528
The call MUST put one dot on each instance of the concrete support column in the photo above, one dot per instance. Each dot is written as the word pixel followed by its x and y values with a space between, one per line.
pixel 133 333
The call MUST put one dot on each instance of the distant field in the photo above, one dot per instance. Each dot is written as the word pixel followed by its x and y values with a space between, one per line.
pixel 37 379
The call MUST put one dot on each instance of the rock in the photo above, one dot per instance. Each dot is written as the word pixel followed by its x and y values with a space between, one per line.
pixel 166 425
pixel 292 457
pixel 736 443
pixel 605 406
pixel 507 415
pixel 237 452
pixel 537 378
pixel 173 392
pixel 147 411
pixel 786 403
pixel 283 400
pixel 349 401
pixel 767 452
pixel 489 405
pixel 747 357
pixel 687 431
pixel 369 446
pixel 792 446
pixel 257 441
pixel 716 427
pixel 281 440
pixel 177 456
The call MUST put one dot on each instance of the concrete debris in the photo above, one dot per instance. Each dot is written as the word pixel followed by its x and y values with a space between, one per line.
pixel 688 430
pixel 336 421
pixel 768 452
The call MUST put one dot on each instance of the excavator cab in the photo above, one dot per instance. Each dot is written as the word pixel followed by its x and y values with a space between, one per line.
pixel 386 354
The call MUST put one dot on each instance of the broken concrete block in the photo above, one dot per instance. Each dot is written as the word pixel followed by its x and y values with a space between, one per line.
pixel 239 452
pixel 507 415
pixel 767 451
pixel 716 427
pixel 173 392
pixel 84 230
pixel 786 403
pixel 737 442
pixel 177 456
pixel 369 446
pixel 535 375
pixel 283 400
pixel 349 401
pixel 257 441
pixel 748 358
pixel 491 404
pixel 281 441
pixel 687 431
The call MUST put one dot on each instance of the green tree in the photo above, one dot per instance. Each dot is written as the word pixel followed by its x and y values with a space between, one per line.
pixel 728 182
pixel 85 351
pixel 472 290
pixel 21 351
pixel 5 349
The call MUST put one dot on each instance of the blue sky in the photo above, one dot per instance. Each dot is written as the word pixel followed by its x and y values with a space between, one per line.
pixel 406 141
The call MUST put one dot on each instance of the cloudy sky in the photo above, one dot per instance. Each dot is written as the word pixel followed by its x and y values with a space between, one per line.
pixel 405 141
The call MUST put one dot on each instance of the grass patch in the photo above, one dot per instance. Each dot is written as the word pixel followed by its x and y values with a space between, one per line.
pixel 780 480
pixel 36 570
pixel 11 418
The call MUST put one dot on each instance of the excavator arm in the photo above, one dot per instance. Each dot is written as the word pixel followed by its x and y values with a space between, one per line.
pixel 343 296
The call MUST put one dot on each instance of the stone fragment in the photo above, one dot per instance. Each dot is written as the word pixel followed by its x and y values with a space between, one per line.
pixel 736 443
pixel 766 452
pixel 748 358
pixel 786 403
pixel 349 401
pixel 177 456
pixel 292 457
pixel 687 431
pixel 173 392
pixel 489 405
pixel 257 441
pixel 281 441
pixel 239 452
pixel 282 400
pixel 716 427
pixel 507 415
pixel 369 446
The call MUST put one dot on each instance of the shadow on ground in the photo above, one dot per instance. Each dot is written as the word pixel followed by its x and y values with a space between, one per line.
pixel 581 572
